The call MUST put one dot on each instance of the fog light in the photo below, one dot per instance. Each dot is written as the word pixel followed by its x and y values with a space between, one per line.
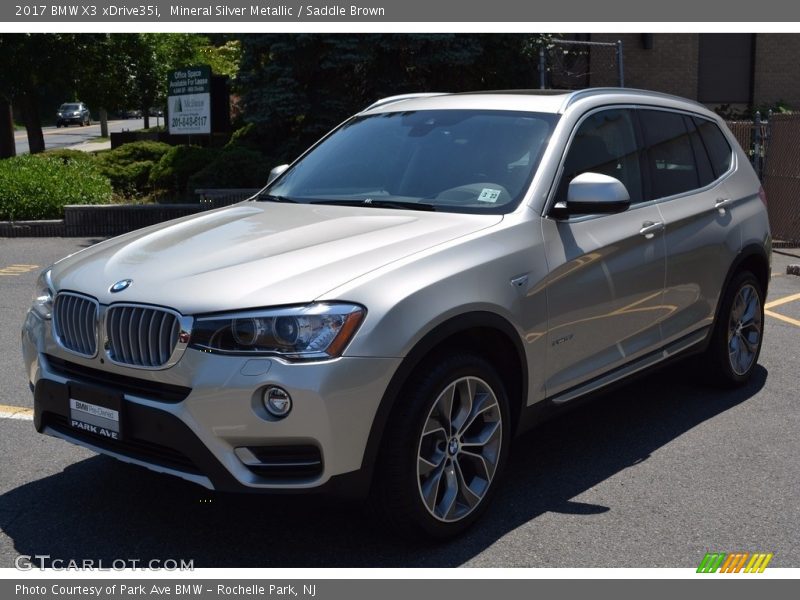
pixel 277 401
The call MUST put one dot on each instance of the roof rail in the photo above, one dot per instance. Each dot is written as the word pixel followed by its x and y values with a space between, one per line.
pixel 578 94
pixel 400 98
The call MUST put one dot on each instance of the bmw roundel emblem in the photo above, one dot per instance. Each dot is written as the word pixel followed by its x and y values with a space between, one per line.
pixel 121 285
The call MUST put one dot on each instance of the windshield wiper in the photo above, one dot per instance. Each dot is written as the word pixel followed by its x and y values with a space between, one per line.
pixel 273 198
pixel 372 203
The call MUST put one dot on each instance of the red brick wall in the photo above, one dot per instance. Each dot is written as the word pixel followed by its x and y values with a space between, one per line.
pixel 670 66
pixel 777 69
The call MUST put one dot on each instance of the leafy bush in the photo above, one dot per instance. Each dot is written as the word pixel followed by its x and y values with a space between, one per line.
pixel 234 167
pixel 38 187
pixel 129 179
pixel 249 136
pixel 136 152
pixel 128 167
pixel 172 172
pixel 66 155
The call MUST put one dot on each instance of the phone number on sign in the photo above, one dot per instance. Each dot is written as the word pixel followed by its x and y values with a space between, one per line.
pixel 193 121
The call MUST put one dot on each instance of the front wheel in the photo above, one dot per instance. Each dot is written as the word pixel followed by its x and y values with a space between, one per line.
pixel 735 344
pixel 446 446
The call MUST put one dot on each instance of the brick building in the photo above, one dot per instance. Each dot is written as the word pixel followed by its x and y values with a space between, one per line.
pixel 739 69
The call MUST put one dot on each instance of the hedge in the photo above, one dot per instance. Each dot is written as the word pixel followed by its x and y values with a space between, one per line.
pixel 128 167
pixel 39 186
pixel 173 170
pixel 234 167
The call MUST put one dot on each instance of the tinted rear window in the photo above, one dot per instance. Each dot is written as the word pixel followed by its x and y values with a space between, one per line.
pixel 718 148
pixel 704 171
pixel 670 159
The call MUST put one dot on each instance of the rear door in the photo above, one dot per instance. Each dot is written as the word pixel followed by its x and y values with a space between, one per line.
pixel 606 272
pixel 687 159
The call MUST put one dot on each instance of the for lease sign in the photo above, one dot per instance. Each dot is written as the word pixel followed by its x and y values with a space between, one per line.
pixel 189 100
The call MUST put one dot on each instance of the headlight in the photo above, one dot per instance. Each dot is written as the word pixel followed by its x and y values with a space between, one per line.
pixel 316 331
pixel 42 303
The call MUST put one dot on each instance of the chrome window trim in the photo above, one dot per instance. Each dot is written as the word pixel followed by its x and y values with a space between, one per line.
pixel 548 205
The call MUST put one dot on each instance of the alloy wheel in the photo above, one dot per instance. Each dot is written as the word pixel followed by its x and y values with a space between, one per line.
pixel 744 329
pixel 459 449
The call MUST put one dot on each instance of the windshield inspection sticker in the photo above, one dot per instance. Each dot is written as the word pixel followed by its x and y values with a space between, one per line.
pixel 489 195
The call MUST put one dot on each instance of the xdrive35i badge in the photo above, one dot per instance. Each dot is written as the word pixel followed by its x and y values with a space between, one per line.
pixel 120 285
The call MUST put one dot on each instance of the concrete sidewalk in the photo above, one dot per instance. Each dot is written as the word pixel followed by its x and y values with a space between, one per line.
pixel 92 146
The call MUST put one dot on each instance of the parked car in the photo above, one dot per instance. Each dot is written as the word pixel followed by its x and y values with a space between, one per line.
pixel 431 279
pixel 73 112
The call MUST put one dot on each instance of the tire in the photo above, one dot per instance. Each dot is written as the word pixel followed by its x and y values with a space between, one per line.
pixel 735 345
pixel 429 481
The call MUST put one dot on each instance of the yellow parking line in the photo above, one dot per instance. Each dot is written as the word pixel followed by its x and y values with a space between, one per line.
pixel 783 300
pixel 781 317
pixel 16 412
pixel 12 270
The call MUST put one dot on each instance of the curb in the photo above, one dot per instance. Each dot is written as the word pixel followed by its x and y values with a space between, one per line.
pixel 100 220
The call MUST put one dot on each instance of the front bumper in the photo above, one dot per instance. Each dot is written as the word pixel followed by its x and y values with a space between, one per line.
pixel 189 420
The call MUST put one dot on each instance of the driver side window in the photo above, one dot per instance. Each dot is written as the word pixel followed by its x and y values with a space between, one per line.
pixel 605 143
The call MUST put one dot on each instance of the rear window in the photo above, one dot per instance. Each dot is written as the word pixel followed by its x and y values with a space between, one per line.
pixel 704 171
pixel 670 158
pixel 718 148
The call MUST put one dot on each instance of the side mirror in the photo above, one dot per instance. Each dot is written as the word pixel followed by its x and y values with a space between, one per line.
pixel 594 194
pixel 275 172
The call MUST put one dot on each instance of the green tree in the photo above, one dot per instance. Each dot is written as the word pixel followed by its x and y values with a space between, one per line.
pixel 30 65
pixel 294 88
pixel 105 73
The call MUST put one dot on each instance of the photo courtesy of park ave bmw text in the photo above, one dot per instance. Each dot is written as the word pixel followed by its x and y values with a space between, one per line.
pixel 329 286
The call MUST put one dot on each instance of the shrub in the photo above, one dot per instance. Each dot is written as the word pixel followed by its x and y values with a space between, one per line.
pixel 136 152
pixel 250 136
pixel 128 179
pixel 66 155
pixel 172 172
pixel 38 187
pixel 234 167
pixel 128 167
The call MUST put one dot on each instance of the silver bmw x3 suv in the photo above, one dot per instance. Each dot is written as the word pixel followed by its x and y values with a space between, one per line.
pixel 433 277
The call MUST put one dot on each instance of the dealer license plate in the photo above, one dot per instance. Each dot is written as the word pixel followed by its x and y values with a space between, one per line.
pixel 94 411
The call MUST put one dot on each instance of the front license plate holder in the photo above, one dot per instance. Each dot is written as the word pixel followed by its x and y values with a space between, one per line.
pixel 96 411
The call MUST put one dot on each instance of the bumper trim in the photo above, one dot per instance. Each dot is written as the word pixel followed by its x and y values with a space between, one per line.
pixel 161 392
pixel 198 479
pixel 154 426
pixel 146 428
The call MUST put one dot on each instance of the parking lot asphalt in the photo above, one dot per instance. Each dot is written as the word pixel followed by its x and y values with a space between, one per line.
pixel 654 474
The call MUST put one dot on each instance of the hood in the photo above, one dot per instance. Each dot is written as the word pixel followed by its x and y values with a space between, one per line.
pixel 256 254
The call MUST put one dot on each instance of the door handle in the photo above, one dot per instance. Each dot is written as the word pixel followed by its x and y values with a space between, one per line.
pixel 649 228
pixel 722 203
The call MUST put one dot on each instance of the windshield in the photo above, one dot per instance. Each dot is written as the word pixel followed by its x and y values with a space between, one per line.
pixel 448 160
pixel 68 107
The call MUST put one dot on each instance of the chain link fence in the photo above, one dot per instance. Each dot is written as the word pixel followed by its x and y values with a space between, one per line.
pixel 773 148
pixel 577 64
